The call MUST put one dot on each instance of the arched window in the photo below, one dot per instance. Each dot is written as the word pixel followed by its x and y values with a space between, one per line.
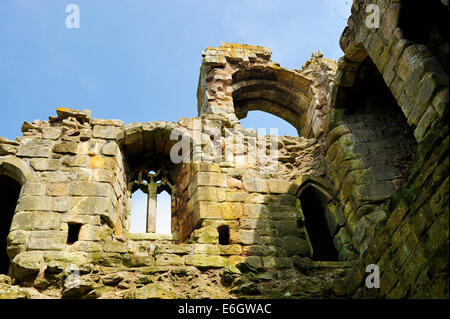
pixel 152 197
pixel 9 195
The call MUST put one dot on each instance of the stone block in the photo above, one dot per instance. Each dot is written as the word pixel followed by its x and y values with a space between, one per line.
pixel 276 262
pixel 425 123
pixel 57 189
pixel 35 148
pixel 35 203
pixel 206 261
pixel 259 250
pixel 94 233
pixel 296 246
pixel 247 237
pixel 91 189
pixel 232 210
pixel 255 211
pixel 208 210
pixel 115 247
pixel 100 206
pixel 255 185
pixel 207 249
pixel 106 259
pixel 86 246
pixel 107 132
pixel 278 186
pixel 179 249
pixel 230 249
pixel 151 291
pixel 33 189
pixel 47 240
pixel 236 263
pixel 440 101
pixel 76 161
pixel 210 179
pixel 40 164
pixel 35 221
pixel 26 265
pixel 66 147
pixel 169 260
pixel 375 191
pixel 109 149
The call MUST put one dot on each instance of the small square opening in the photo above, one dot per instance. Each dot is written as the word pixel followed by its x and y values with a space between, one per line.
pixel 224 234
pixel 74 231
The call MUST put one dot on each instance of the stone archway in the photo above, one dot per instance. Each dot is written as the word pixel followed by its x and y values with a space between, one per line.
pixel 14 173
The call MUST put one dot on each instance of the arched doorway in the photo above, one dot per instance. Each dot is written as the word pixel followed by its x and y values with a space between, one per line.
pixel 9 195
pixel 314 204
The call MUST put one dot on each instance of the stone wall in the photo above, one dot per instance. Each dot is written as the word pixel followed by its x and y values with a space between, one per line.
pixel 371 159
pixel 406 232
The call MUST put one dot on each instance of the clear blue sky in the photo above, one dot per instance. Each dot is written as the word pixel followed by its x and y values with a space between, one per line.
pixel 139 60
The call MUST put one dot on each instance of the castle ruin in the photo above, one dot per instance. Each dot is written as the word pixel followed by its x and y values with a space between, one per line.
pixel 365 182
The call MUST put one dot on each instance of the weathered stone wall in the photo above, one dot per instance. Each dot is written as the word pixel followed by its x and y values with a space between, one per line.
pixel 372 148
pixel 77 173
pixel 406 232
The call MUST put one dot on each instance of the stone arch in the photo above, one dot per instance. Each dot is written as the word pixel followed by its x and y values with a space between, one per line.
pixel 14 173
pixel 370 143
pixel 17 169
pixel 274 90
pixel 411 58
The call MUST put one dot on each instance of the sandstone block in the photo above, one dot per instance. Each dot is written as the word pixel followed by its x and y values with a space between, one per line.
pixel 152 291
pixel 255 184
pixel 76 161
pixel 66 147
pixel 33 189
pixel 107 132
pixel 296 246
pixel 276 262
pixel 207 249
pixel 94 233
pixel 115 247
pixel 35 203
pixel 109 149
pixel 51 133
pixel 47 240
pixel 57 189
pixel 278 186
pixel 35 148
pixel 91 189
pixel 26 265
pixel 168 260
pixel 255 211
pixel 206 261
pixel 35 221
pixel 139 261
pixel 232 210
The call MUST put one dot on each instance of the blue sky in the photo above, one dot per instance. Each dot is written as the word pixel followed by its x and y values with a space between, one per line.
pixel 139 60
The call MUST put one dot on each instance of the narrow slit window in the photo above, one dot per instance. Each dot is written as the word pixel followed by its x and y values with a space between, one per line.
pixel 163 213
